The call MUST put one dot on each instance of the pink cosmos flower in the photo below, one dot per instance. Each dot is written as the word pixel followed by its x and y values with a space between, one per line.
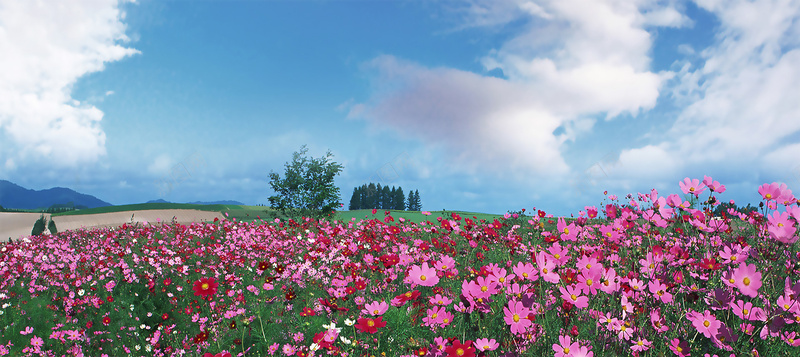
pixel 572 295
pixel 37 342
pixel 674 200
pixel 781 228
pixel 558 254
pixel 679 348
pixel 440 300
pixel 376 308
pixel 610 281
pixel 516 316
pixel 485 344
pixel 425 275
pixel 526 271
pixel 445 263
pixel 746 311
pixel 434 316
pixel 658 322
pixel 659 291
pixel 770 192
pixel 705 323
pixel 565 347
pixel 641 345
pixel 692 186
pixel 748 280
pixel 546 267
pixel 589 280
pixel 714 186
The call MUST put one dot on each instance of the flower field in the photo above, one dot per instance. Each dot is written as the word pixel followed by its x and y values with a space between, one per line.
pixel 644 275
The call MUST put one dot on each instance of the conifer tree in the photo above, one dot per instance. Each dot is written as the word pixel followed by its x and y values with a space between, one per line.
pixel 355 200
pixel 399 200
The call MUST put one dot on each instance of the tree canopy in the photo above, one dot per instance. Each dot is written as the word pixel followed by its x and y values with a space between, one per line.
pixel 308 187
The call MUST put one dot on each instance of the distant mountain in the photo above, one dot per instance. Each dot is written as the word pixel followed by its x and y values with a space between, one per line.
pixel 15 196
pixel 201 202
pixel 158 201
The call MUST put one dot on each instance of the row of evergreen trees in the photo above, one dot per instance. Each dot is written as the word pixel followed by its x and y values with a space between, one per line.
pixel 382 197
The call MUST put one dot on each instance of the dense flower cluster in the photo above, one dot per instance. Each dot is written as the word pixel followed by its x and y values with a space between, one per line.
pixel 647 275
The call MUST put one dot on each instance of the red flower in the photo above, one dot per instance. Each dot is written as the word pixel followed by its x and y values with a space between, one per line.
pixel 106 320
pixel 460 350
pixel 307 312
pixel 370 325
pixel 205 287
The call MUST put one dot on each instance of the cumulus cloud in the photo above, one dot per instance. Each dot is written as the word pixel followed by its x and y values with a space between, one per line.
pixel 743 99
pixel 572 60
pixel 46 48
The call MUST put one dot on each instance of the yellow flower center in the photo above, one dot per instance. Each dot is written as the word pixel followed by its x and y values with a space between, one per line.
pixel 515 318
pixel 733 257
pixel 608 234
pixel 768 196
pixel 679 349
pixel 423 277
pixel 640 343
pixel 746 312
pixel 370 323
pixel 731 281
pixel 746 281
pixel 544 270
pixel 566 230
pixel 706 323
pixel 566 350
pixel 524 275
pixel 589 282
pixel 204 286
pixel 434 315
pixel 446 320
pixel 376 311
pixel 557 256
pixel 484 288
pixel 573 297
pixel 460 352
pixel 660 292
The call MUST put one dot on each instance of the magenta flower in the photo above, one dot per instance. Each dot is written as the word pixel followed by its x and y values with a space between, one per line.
pixel 434 316
pixel 659 291
pixel 679 348
pixel 516 316
pixel 589 280
pixel 747 279
pixel 565 347
pixel 546 267
pixel 692 186
pixel 425 275
pixel 573 296
pixel 705 323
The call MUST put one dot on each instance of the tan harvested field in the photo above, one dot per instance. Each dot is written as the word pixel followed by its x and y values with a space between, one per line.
pixel 17 225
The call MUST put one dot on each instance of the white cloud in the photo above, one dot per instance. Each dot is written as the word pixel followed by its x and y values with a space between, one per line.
pixel 572 60
pixel 46 48
pixel 744 99
pixel 161 165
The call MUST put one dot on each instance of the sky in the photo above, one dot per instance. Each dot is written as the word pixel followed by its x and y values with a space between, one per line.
pixel 481 105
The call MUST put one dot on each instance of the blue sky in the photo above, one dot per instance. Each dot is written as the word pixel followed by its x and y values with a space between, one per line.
pixel 481 105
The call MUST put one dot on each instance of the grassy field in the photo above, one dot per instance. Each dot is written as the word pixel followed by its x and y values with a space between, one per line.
pixel 250 213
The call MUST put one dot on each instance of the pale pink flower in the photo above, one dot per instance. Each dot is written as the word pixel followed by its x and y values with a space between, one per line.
pixel 573 296
pixel 516 316
pixel 748 280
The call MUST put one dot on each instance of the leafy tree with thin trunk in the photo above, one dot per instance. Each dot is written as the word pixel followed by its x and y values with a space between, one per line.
pixel 308 187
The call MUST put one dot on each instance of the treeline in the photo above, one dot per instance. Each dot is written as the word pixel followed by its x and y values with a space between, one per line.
pixel 382 197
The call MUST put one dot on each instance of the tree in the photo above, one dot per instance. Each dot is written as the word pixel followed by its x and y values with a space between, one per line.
pixel 399 200
pixel 308 187
pixel 39 226
pixel 52 227
pixel 355 200
pixel 386 200
pixel 414 203
pixel 371 195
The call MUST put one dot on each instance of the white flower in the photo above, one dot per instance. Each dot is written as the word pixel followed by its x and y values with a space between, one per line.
pixel 313 347
pixel 81 292
pixel 349 322
pixel 132 307
pixel 345 340
pixel 332 326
